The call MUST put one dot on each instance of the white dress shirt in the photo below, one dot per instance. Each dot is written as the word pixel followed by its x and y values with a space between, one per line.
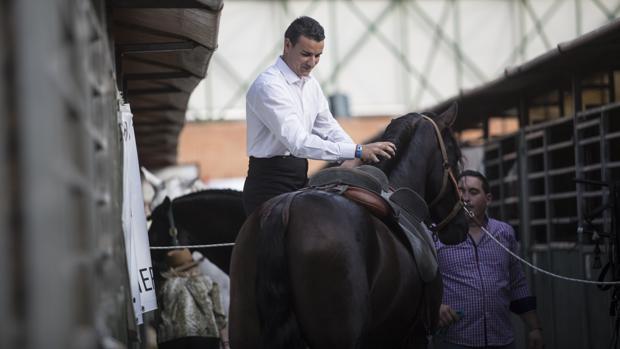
pixel 289 115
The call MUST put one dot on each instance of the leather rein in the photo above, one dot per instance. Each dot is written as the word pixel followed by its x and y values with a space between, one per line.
pixel 448 175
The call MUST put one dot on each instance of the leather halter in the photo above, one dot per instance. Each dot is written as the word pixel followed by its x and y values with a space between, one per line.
pixel 447 175
pixel 172 231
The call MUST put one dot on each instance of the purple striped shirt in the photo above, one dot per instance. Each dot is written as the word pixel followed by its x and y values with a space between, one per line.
pixel 484 282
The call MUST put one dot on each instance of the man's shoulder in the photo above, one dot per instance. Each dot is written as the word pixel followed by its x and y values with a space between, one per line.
pixel 501 226
pixel 266 79
pixel 270 76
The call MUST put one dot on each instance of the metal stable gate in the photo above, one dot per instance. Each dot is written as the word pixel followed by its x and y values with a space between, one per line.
pixel 532 176
pixel 63 275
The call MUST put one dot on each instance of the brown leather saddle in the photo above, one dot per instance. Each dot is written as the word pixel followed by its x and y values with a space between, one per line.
pixel 403 210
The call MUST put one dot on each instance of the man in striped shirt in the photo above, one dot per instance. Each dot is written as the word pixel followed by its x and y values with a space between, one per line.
pixel 482 282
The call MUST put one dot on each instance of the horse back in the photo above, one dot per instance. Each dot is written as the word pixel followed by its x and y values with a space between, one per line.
pixel 352 282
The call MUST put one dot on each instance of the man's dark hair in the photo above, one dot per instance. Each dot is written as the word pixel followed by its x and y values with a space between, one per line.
pixel 480 176
pixel 307 27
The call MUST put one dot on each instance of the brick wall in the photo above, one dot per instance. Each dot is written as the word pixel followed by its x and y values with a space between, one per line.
pixel 219 147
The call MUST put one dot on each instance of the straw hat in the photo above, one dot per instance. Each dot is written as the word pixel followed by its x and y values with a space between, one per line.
pixel 180 260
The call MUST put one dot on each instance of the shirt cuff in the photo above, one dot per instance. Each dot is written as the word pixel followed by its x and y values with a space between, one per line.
pixel 347 150
pixel 523 305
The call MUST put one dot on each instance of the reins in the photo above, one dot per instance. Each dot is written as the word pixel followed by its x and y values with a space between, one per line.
pixel 448 175
pixel 471 215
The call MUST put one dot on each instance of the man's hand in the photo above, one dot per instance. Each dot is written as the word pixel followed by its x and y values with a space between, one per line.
pixel 535 339
pixel 373 152
pixel 447 315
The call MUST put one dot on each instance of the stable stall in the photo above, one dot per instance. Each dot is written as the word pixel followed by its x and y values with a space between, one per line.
pixel 566 104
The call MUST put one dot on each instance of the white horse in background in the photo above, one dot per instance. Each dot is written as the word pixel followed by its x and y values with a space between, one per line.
pixel 170 182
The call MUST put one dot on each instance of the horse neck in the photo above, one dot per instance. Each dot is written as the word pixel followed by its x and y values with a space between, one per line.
pixel 420 166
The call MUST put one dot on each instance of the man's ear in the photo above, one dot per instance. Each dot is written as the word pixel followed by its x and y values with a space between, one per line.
pixel 489 197
pixel 287 45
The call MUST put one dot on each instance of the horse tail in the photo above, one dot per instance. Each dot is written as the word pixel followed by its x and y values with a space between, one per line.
pixel 274 295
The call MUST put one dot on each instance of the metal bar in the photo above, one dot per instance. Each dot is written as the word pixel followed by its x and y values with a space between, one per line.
pixel 579 164
pixel 616 11
pixel 547 223
pixel 230 70
pixel 578 19
pixel 612 86
pixel 362 39
pixel 432 53
pixel 605 10
pixel 538 25
pixel 7 284
pixel 501 174
pixel 334 45
pixel 397 52
pixel 469 63
pixel 457 45
pixel 524 190
pixel 520 47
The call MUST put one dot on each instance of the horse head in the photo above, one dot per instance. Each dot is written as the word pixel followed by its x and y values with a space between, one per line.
pixel 427 161
pixel 172 187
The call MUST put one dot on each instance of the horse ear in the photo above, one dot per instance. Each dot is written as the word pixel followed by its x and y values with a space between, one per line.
pixel 447 118
pixel 150 177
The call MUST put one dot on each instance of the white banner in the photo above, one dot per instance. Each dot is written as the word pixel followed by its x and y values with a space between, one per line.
pixel 134 224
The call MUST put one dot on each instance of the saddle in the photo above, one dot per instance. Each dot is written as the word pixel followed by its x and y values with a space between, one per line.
pixel 403 210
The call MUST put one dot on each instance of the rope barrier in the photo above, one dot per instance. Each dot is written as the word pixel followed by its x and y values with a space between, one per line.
pixel 471 214
pixel 192 246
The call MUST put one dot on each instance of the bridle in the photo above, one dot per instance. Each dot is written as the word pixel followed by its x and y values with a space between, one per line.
pixel 172 230
pixel 448 175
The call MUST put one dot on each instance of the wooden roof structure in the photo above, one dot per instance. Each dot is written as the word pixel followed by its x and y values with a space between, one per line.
pixel 162 51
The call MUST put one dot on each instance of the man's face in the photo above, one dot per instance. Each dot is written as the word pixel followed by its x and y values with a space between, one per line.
pixel 474 196
pixel 304 56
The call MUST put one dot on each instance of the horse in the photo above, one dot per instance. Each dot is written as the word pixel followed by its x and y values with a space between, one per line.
pixel 173 182
pixel 211 216
pixel 312 269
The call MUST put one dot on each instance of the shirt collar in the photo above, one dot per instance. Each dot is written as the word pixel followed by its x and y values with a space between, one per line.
pixel 288 73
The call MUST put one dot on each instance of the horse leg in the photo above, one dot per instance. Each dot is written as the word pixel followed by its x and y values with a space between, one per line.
pixel 243 317
pixel 326 258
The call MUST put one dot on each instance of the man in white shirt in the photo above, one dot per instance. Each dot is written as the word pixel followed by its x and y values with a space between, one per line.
pixel 288 121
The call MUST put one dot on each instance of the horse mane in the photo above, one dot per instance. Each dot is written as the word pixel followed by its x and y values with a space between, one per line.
pixel 204 194
pixel 208 193
pixel 401 130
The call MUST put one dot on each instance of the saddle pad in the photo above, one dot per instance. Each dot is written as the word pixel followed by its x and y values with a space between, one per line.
pixel 409 201
pixel 411 210
pixel 423 248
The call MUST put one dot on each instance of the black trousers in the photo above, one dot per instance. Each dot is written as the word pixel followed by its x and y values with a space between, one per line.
pixel 270 177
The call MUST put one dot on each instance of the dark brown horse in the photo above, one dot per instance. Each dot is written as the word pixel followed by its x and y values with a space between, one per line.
pixel 316 270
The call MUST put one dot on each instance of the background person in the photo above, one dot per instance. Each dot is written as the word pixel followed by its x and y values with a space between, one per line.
pixel 483 282
pixel 288 121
